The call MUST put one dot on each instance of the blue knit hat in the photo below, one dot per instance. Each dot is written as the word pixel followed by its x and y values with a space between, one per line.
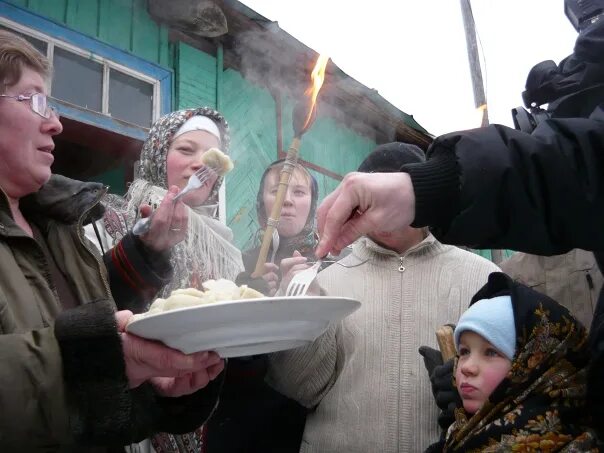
pixel 492 319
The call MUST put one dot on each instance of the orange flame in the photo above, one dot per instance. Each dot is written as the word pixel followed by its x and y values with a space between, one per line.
pixel 317 76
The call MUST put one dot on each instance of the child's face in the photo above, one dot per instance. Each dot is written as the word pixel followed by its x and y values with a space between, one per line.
pixel 480 369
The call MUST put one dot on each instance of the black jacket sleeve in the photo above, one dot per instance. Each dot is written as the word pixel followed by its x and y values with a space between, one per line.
pixel 539 193
pixel 103 410
pixel 496 187
pixel 136 273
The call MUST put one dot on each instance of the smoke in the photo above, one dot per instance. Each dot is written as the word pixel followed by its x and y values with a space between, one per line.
pixel 271 58
pixel 266 59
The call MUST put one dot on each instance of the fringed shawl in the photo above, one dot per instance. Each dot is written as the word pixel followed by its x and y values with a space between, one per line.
pixel 207 251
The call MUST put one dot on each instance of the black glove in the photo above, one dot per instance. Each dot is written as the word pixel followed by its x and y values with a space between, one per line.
pixel 259 284
pixel 444 392
pixel 595 390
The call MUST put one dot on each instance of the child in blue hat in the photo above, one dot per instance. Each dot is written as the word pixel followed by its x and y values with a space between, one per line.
pixel 520 373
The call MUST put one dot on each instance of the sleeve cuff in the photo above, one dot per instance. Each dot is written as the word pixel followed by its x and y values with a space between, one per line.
pixel 436 184
pixel 94 372
pixel 143 270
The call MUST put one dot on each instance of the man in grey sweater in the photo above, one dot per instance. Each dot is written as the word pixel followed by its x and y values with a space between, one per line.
pixel 364 380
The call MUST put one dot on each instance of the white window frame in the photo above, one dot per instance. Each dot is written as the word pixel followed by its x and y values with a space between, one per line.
pixel 107 64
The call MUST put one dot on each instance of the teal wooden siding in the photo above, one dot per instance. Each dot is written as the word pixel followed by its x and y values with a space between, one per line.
pixel 126 24
pixel 486 253
pixel 250 111
pixel 195 78
pixel 329 145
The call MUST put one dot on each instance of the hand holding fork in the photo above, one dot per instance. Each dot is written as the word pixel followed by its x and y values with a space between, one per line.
pixel 298 278
pixel 196 180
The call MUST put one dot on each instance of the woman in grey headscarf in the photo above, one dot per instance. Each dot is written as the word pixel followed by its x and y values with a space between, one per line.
pixel 201 247
pixel 169 156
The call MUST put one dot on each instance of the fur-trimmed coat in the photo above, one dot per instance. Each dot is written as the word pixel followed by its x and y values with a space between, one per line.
pixel 62 381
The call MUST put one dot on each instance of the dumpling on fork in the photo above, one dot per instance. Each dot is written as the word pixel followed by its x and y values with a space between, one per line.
pixel 217 161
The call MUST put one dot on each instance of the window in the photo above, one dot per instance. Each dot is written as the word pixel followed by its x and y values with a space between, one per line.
pixel 77 80
pixel 130 99
pixel 93 83
pixel 38 44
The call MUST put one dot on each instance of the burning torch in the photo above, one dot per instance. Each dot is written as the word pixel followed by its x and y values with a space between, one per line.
pixel 304 116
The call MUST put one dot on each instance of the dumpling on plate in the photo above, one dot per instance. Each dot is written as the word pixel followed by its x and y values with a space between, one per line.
pixel 217 161
pixel 215 291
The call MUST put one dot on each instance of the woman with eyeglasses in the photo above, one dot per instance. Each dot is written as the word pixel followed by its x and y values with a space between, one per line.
pixel 71 377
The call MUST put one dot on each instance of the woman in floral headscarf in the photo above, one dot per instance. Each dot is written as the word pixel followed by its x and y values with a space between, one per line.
pixel 169 156
pixel 296 229
pixel 539 404
pixel 253 417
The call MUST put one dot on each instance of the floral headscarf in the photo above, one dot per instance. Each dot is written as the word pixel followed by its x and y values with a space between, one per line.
pixel 305 241
pixel 152 163
pixel 539 406
pixel 207 252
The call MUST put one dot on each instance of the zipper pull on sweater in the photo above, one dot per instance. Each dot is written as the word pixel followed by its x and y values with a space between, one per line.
pixel 401 268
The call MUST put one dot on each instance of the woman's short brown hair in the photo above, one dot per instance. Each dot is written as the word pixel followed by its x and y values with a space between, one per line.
pixel 15 54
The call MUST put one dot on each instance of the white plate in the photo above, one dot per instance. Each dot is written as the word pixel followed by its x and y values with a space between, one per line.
pixel 245 327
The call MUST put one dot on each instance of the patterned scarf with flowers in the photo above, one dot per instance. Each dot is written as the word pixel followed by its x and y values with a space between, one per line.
pixel 539 406
pixel 206 253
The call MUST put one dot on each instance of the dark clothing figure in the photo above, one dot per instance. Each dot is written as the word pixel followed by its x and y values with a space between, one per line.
pixel 541 193
pixel 252 417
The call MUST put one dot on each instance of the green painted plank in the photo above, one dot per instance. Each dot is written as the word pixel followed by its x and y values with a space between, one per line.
pixel 83 15
pixel 196 78
pixel 115 22
pixel 165 56
pixel 21 3
pixel 54 9
pixel 145 33
pixel 250 111
pixel 123 23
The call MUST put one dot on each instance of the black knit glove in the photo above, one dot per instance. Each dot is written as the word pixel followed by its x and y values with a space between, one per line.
pixel 595 390
pixel 444 392
pixel 259 284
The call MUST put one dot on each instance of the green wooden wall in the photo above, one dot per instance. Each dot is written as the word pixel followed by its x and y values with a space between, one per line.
pixel 328 144
pixel 195 74
pixel 251 113
pixel 249 109
pixel 125 24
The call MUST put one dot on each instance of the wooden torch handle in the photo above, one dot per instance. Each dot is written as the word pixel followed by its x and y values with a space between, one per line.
pixel 446 343
pixel 292 156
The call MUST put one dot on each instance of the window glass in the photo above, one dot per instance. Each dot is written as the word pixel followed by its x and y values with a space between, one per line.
pixel 77 80
pixel 130 99
pixel 38 44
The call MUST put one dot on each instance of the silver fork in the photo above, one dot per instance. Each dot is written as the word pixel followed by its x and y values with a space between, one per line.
pixel 302 280
pixel 196 180
pixel 275 244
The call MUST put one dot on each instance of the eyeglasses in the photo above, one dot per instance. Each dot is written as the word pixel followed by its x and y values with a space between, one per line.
pixel 38 102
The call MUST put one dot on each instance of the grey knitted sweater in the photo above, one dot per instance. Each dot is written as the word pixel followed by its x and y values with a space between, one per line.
pixel 364 379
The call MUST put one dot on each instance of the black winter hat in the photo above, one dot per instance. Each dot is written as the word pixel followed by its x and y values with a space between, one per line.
pixel 390 157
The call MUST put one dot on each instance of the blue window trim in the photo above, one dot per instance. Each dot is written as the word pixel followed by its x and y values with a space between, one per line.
pixel 62 33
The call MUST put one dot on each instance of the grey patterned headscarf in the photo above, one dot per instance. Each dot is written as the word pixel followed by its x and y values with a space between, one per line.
pixel 207 251
pixel 152 164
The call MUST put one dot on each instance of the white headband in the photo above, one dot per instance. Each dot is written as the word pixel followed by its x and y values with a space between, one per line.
pixel 199 123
